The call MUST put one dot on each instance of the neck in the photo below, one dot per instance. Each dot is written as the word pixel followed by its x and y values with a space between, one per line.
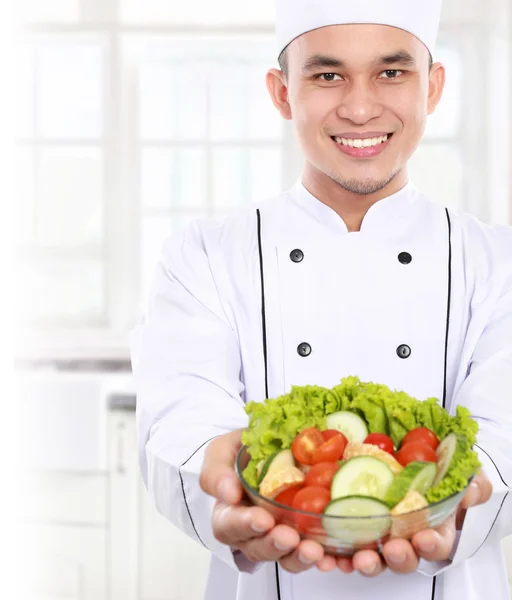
pixel 351 207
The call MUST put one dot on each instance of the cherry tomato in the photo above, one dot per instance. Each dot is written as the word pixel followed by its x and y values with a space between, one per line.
pixel 327 434
pixel 321 474
pixel 288 495
pixel 310 499
pixel 381 440
pixel 421 434
pixel 332 448
pixel 305 443
pixel 415 451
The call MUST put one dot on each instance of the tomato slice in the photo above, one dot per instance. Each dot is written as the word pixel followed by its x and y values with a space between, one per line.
pixel 415 451
pixel 421 434
pixel 330 450
pixel 382 441
pixel 286 497
pixel 305 443
pixel 321 474
pixel 327 434
pixel 312 499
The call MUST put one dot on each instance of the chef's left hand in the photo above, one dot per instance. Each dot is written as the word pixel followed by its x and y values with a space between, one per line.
pixel 402 556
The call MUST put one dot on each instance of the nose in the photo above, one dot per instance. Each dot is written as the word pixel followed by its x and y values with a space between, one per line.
pixel 359 104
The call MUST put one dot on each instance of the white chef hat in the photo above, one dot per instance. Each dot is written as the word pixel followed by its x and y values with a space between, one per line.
pixel 419 17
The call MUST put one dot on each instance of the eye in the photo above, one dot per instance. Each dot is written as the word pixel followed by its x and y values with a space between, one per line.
pixel 328 76
pixel 391 73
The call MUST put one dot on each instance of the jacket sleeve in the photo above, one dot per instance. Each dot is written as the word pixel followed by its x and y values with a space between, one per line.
pixel 186 365
pixel 487 393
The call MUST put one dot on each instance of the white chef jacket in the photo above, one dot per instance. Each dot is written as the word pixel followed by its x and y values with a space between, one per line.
pixel 281 294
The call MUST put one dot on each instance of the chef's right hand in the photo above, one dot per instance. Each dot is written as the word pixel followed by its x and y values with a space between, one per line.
pixel 251 529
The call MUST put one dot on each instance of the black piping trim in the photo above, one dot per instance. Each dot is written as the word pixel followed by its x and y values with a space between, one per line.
pixel 489 532
pixel 263 315
pixel 490 458
pixel 446 337
pixel 448 304
pixel 183 488
pixel 264 340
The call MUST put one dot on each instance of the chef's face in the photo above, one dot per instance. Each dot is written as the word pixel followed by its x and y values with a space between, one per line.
pixel 349 86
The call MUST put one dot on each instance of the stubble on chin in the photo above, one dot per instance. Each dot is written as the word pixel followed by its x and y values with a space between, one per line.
pixel 361 187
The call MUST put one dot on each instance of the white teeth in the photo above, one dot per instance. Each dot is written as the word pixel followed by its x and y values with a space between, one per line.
pixel 360 143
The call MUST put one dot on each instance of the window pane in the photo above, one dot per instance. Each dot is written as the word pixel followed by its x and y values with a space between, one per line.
pixel 264 120
pixel 61 290
pixel 446 119
pixel 229 101
pixel 24 93
pixel 173 101
pixel 230 177
pixel 70 196
pixel 174 178
pixel 199 12
pixel 244 175
pixel 48 10
pixel 445 162
pixel 24 182
pixel 264 173
pixel 70 83
pixel 154 231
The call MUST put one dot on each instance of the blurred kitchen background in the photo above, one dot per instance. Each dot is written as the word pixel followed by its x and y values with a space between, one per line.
pixel 134 117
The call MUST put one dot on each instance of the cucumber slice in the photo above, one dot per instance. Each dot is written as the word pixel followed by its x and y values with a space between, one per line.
pixel 418 476
pixel 352 426
pixel 356 530
pixel 277 460
pixel 362 476
pixel 449 452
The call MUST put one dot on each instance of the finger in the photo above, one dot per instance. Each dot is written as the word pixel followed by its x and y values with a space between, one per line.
pixel 435 544
pixel 278 543
pixel 233 524
pixel 345 564
pixel 368 563
pixel 478 492
pixel 303 558
pixel 326 564
pixel 218 477
pixel 400 556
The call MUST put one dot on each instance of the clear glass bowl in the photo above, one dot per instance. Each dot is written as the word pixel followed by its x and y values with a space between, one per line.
pixel 350 534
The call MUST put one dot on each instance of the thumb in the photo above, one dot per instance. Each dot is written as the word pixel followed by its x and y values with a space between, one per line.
pixel 218 477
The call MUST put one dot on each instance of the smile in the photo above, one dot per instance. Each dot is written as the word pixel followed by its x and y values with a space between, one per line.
pixel 362 147
pixel 362 143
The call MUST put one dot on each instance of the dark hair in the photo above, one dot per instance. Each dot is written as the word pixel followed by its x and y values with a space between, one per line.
pixel 283 62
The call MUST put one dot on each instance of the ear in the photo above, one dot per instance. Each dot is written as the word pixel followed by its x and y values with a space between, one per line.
pixel 435 86
pixel 278 90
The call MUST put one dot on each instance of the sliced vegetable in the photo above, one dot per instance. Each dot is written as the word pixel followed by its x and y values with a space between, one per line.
pixel 312 499
pixel 305 443
pixel 382 441
pixel 354 530
pixel 352 426
pixel 449 452
pixel 421 434
pixel 288 495
pixel 362 476
pixel 353 450
pixel 416 451
pixel 322 474
pixel 416 476
pixel 332 449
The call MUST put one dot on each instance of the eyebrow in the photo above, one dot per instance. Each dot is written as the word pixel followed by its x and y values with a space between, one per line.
pixel 319 61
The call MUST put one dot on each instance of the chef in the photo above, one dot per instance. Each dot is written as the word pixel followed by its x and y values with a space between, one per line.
pixel 352 271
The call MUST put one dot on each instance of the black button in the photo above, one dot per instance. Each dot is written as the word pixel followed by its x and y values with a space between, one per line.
pixel 304 349
pixel 405 258
pixel 297 255
pixel 403 351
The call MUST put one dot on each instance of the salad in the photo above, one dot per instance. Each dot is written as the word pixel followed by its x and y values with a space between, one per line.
pixel 358 449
